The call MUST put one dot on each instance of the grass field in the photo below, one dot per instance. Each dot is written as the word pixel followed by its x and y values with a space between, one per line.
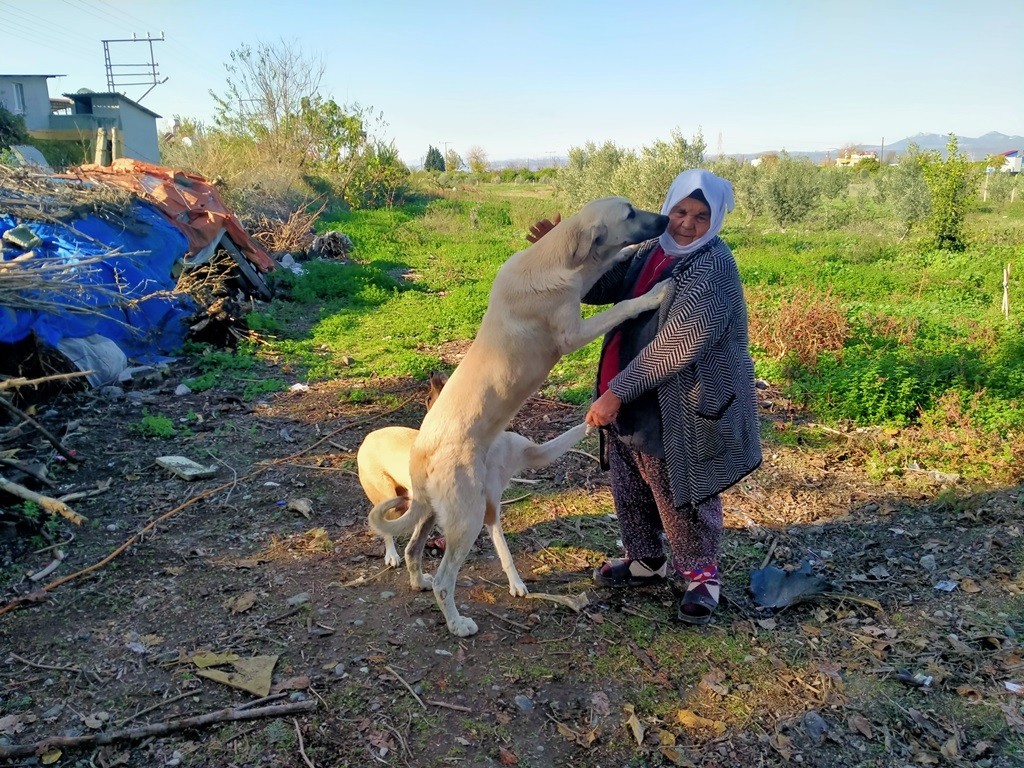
pixel 854 325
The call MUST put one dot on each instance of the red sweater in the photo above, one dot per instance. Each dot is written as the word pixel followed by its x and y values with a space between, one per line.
pixel 657 267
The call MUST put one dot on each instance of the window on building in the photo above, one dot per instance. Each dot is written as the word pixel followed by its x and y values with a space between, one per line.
pixel 19 99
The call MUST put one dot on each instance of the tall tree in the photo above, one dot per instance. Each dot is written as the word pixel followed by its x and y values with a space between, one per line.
pixel 477 159
pixel 452 161
pixel 267 87
pixel 434 161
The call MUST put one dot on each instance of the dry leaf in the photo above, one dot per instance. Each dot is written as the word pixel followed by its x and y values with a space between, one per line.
pixel 860 724
pixel 577 603
pixel 783 745
pixel 303 506
pixel 210 659
pixel 634 724
pixel 600 703
pixel 95 720
pixel 690 719
pixel 507 757
pixel 243 602
pixel 50 756
pixel 252 674
pixel 299 683
pixel 676 756
pixel 12 724
pixel 970 585
pixel 972 694
pixel 951 749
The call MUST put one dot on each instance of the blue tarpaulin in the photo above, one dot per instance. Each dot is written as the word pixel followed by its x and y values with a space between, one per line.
pixel 149 326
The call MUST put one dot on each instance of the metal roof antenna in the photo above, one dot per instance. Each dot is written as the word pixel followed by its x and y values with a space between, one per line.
pixel 120 76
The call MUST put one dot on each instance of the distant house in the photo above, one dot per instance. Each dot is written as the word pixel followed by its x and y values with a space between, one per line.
pixel 128 126
pixel 851 158
pixel 1011 162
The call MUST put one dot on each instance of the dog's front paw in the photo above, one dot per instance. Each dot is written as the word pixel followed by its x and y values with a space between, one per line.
pixel 392 559
pixel 517 588
pixel 462 626
pixel 627 253
pixel 658 293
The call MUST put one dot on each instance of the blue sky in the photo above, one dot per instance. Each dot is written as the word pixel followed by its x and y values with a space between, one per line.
pixel 527 79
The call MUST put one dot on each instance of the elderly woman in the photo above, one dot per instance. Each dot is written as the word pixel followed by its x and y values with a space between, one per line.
pixel 675 389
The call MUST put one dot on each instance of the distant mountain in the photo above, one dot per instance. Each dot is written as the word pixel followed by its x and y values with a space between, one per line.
pixel 979 148
pixel 991 143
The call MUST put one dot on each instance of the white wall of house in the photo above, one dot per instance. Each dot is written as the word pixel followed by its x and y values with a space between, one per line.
pixel 139 134
pixel 31 100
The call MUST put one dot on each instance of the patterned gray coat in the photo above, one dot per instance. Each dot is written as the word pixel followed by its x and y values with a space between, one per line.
pixel 691 359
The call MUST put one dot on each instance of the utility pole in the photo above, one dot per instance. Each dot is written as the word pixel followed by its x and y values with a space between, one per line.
pixel 147 72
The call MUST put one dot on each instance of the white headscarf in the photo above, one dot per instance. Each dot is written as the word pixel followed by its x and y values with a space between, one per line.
pixel 717 191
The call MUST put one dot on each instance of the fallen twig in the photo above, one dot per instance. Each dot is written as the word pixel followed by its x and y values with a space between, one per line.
pixel 577 603
pixel 771 551
pixel 16 411
pixel 28 470
pixel 48 503
pixel 302 745
pixel 446 705
pixel 407 686
pixel 156 706
pixel 155 729
pixel 40 575
pixel 506 502
pixel 584 453
pixel 16 657
pixel 21 381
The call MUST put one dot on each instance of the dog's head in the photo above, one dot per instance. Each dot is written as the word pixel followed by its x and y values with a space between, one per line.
pixel 437 381
pixel 605 226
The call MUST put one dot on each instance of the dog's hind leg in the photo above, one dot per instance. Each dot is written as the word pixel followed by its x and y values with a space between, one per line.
pixel 461 522
pixel 516 587
pixel 414 550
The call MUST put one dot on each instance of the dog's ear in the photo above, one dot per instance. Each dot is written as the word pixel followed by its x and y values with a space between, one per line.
pixel 588 238
pixel 437 381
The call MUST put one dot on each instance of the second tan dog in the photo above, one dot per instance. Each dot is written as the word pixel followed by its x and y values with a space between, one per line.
pixel 383 462
pixel 533 318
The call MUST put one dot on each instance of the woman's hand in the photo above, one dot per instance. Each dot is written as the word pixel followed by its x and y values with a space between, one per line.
pixel 604 410
pixel 541 228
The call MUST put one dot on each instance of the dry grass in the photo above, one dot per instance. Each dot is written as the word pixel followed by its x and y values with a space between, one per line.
pixel 801 327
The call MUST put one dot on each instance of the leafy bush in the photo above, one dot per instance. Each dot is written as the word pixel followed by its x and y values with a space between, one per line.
pixel 789 189
pixel 600 171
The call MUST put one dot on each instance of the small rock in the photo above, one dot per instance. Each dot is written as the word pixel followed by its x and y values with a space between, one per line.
pixel 525 703
pixel 182 389
pixel 928 562
pixel 299 599
pixel 386 595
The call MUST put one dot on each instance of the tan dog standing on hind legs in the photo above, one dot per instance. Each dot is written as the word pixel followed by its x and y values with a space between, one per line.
pixel 383 463
pixel 532 319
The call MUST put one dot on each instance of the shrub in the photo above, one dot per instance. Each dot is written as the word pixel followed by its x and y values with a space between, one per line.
pixel 801 328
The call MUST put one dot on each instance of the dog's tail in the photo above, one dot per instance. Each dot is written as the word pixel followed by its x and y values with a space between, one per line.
pixel 400 526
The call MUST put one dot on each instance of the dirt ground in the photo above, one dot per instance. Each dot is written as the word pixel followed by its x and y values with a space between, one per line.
pixel 271 558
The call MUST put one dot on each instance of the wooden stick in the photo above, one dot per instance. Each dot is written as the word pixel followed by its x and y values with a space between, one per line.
pixel 28 470
pixel 16 411
pixel 21 381
pixel 407 686
pixel 51 505
pixel 302 746
pixel 43 666
pixel 159 704
pixel 229 714
pixel 446 705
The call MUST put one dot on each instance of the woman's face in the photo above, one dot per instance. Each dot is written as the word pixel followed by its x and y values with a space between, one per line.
pixel 688 220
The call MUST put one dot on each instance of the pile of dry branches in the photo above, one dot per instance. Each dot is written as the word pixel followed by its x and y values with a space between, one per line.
pixel 291 235
pixel 29 194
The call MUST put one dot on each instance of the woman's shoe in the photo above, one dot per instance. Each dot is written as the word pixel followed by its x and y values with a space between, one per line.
pixel 626 572
pixel 700 601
